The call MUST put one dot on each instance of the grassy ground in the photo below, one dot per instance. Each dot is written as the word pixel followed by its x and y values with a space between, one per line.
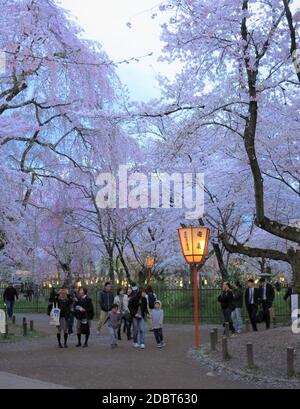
pixel 15 333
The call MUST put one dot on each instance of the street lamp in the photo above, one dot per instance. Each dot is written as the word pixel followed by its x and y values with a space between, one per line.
pixel 149 264
pixel 194 245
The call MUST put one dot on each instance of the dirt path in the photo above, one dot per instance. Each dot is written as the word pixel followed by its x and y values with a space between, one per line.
pixel 100 367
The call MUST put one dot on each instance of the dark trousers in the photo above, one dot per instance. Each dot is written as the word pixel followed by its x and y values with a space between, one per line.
pixel 227 318
pixel 9 307
pixel 252 311
pixel 127 324
pixel 71 323
pixel 158 335
pixel 266 309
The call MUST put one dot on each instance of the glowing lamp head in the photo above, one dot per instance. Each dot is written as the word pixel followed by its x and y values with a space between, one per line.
pixel 149 261
pixel 194 243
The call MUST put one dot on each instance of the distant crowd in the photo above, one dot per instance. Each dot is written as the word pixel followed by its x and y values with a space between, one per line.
pixel 124 312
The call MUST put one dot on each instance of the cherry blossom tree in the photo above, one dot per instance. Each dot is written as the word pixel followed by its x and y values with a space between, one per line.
pixel 233 113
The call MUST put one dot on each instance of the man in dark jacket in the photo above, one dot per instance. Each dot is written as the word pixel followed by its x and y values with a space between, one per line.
pixel 226 301
pixel 267 295
pixel 106 301
pixel 9 296
pixel 252 296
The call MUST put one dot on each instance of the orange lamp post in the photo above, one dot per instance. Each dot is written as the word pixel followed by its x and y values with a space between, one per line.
pixel 194 245
pixel 149 264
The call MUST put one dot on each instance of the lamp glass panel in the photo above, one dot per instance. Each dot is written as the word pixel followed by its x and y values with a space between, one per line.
pixel 194 243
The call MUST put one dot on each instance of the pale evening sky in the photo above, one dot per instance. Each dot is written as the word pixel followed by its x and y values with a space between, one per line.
pixel 105 21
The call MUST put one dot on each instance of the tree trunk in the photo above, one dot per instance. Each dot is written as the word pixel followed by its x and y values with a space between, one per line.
pixel 142 277
pixel 294 257
pixel 66 267
pixel 222 268
pixel 127 272
pixel 111 268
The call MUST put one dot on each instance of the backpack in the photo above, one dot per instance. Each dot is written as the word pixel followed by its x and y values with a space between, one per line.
pixel 151 300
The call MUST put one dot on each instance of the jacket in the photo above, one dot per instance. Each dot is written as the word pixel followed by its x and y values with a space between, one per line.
pixel 10 294
pixel 270 294
pixel 226 300
pixel 64 306
pixel 113 320
pixel 134 304
pixel 122 302
pixel 256 297
pixel 106 300
pixel 238 298
pixel 157 317
pixel 86 303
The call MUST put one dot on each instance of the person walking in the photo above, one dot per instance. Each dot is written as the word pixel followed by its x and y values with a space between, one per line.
pixel 226 301
pixel 84 313
pixel 267 295
pixel 9 296
pixel 138 308
pixel 121 300
pixel 236 314
pixel 151 298
pixel 63 301
pixel 130 294
pixel 252 300
pixel 74 296
pixel 106 302
pixel 113 319
pixel 157 318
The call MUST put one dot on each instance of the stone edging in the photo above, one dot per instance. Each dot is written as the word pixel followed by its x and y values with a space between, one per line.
pixel 220 367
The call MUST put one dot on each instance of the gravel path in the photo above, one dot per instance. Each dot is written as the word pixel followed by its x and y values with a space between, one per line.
pixel 270 358
pixel 100 367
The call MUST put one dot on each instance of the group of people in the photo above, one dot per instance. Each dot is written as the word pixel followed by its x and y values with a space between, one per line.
pixel 130 308
pixel 258 302
pixel 72 304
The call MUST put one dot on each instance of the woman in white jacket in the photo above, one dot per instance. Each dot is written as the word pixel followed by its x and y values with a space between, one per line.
pixel 121 300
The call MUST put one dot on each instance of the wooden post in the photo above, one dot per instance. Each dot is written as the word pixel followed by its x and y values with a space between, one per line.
pixel 31 325
pixel 216 334
pixel 212 340
pixel 290 362
pixel 6 331
pixel 274 321
pixel 227 329
pixel 25 329
pixel 250 358
pixel 247 323
pixel 225 353
pixel 13 319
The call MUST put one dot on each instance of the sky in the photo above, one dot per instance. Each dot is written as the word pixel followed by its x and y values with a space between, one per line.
pixel 105 21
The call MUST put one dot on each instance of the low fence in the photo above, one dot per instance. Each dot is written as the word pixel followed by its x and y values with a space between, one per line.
pixel 177 304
